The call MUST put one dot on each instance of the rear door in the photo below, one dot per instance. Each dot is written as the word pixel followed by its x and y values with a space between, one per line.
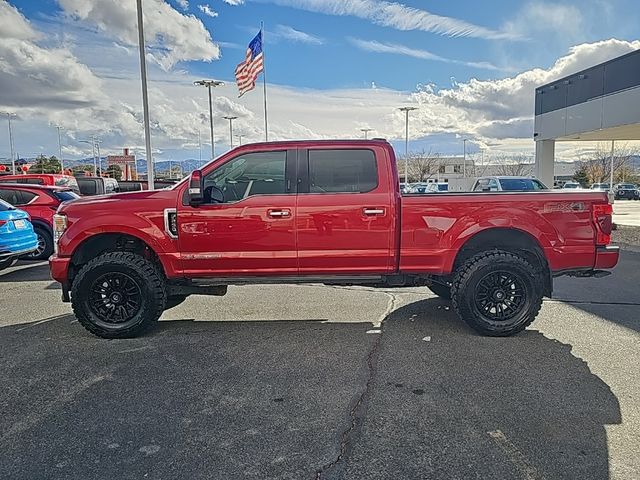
pixel 252 231
pixel 345 216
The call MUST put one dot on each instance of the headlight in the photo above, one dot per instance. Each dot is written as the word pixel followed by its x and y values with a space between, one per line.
pixel 59 226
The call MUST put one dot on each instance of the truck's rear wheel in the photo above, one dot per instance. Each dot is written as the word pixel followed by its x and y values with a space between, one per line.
pixel 497 293
pixel 118 295
pixel 443 291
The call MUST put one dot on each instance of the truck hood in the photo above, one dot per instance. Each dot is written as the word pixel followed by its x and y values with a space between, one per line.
pixel 122 201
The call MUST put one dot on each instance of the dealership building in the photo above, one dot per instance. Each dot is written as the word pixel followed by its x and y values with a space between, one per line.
pixel 601 103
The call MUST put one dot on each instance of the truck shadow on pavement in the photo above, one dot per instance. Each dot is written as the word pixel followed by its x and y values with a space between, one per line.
pixel 427 398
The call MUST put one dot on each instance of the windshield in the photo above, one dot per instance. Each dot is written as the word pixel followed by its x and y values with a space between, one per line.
pixel 66 195
pixel 521 184
pixel 571 185
pixel 627 186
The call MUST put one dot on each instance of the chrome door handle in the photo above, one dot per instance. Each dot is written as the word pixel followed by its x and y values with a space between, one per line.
pixel 279 213
pixel 373 211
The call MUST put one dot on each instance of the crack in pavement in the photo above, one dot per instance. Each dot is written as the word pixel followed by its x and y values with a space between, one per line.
pixel 357 411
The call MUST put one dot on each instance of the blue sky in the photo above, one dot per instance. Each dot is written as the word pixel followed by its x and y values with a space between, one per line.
pixel 333 66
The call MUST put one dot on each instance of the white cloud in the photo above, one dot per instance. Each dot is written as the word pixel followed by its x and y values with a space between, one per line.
pixel 289 33
pixel 398 16
pixel 206 9
pixel 32 76
pixel 503 109
pixel 14 25
pixel 172 36
pixel 542 17
pixel 398 49
pixel 184 4
pixel 234 2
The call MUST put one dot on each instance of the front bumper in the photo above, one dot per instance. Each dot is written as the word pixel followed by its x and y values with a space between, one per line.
pixel 6 254
pixel 59 268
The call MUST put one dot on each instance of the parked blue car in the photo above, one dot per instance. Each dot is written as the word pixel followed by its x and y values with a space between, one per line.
pixel 16 234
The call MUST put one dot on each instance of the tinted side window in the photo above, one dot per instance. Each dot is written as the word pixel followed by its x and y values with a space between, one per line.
pixel 33 181
pixel 342 171
pixel 260 173
pixel 9 196
pixel 26 197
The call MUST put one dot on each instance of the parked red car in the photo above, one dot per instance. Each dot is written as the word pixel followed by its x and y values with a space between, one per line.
pixel 323 212
pixel 41 203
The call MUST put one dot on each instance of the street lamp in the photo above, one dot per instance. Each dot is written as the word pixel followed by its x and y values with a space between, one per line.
pixel 11 115
pixel 94 142
pixel 240 139
pixel 231 119
pixel 464 158
pixel 209 84
pixel 145 97
pixel 366 131
pixel 58 127
pixel 406 110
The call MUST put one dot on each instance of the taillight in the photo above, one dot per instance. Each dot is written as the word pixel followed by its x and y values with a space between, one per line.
pixel 602 217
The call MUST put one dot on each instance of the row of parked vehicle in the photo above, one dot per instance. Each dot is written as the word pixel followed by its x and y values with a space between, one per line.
pixel 627 191
pixel 28 203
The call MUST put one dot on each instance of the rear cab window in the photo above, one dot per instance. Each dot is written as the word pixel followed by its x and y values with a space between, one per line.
pixel 342 171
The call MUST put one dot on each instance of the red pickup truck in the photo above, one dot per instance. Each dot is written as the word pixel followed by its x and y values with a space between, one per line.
pixel 322 212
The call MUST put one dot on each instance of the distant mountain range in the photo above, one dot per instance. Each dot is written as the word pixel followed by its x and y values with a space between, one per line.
pixel 160 166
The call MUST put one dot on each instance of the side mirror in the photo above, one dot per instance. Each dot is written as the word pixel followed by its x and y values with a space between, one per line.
pixel 486 189
pixel 195 188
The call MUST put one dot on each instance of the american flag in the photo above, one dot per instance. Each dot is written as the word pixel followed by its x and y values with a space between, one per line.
pixel 247 72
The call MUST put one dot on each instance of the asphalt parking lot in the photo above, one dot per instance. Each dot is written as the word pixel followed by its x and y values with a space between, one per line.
pixel 299 382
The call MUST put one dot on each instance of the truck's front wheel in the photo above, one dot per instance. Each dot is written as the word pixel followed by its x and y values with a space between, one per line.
pixel 497 293
pixel 118 295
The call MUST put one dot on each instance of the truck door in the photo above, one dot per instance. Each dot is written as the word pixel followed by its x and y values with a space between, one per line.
pixel 345 214
pixel 252 230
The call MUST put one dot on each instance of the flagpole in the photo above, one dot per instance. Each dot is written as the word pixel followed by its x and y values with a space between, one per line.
pixel 264 86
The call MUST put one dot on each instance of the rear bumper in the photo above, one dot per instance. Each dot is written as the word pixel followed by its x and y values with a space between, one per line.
pixel 606 257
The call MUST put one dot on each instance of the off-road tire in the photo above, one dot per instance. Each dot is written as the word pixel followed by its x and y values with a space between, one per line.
pixel 145 274
pixel 469 287
pixel 174 301
pixel 443 291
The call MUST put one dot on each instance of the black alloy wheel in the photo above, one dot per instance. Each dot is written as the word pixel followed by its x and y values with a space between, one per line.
pixel 500 296
pixel 115 298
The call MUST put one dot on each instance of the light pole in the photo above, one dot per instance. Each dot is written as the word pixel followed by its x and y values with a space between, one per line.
pixel 98 142
pixel 58 127
pixel 209 84
pixel 200 148
pixel 231 118
pixel 464 158
pixel 93 153
pixel 145 96
pixel 406 110
pixel 366 131
pixel 13 157
pixel 240 139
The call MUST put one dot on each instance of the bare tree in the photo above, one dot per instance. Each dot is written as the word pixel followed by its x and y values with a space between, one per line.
pixel 423 165
pixel 598 162
pixel 518 165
